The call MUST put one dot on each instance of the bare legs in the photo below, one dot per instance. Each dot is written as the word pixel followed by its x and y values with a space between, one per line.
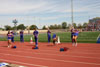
pixel 74 41
pixel 9 43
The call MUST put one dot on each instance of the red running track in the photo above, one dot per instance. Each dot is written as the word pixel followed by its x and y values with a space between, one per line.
pixel 84 55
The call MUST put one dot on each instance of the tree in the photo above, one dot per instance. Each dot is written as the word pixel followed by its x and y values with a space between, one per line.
pixel 74 24
pixel 7 27
pixel 13 28
pixel 15 24
pixel 55 26
pixel 44 27
pixel 69 25
pixel 1 28
pixel 59 27
pixel 51 27
pixel 21 26
pixel 64 25
pixel 79 26
pixel 85 25
pixel 33 27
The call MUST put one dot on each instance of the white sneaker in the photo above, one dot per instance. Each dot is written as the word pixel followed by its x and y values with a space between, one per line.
pixel 73 44
pixel 76 44
pixel 8 46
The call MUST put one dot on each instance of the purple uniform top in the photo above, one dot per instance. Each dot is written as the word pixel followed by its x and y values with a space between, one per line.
pixel 35 33
pixel 12 34
pixel 9 36
pixel 49 33
pixel 72 31
pixel 76 33
pixel 54 36
pixel 21 32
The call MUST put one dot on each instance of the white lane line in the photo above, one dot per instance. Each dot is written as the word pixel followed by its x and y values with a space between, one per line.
pixel 56 50
pixel 23 63
pixel 54 60
pixel 52 49
pixel 70 52
pixel 55 54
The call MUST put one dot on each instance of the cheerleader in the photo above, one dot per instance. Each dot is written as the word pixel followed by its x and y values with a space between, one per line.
pixel 75 36
pixel 9 35
pixel 55 38
pixel 49 35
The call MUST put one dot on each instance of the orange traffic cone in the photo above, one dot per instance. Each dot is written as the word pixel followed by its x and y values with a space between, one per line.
pixel 58 40
pixel 31 40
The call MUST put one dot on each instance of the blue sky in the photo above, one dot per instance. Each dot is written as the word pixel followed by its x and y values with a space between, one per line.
pixel 47 12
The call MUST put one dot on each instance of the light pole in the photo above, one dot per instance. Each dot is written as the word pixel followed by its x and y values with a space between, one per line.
pixel 29 24
pixel 72 13
pixel 15 25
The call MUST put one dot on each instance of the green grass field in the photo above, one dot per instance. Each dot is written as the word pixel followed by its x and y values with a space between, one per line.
pixel 84 37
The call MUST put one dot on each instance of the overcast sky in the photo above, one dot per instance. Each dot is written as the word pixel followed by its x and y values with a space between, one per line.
pixel 47 12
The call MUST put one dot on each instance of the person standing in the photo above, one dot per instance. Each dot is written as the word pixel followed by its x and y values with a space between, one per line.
pixel 75 36
pixel 49 35
pixel 35 33
pixel 21 36
pixel 12 38
pixel 9 35
pixel 72 33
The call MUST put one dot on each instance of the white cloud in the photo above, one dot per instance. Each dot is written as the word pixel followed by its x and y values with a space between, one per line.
pixel 46 10
pixel 33 6
pixel 15 6
pixel 46 6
